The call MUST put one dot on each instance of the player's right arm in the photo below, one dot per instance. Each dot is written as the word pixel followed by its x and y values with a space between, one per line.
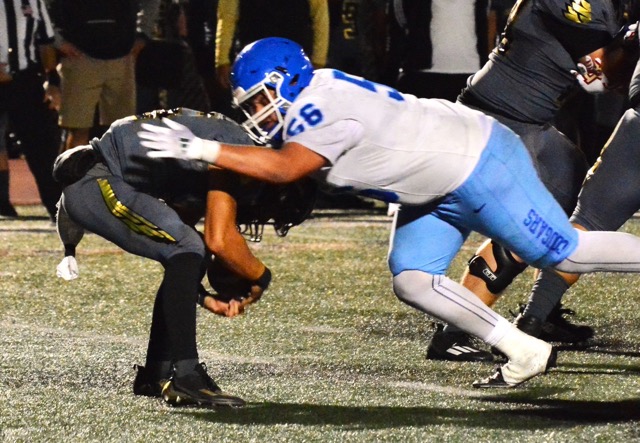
pixel 224 240
pixel 277 166
pixel 221 234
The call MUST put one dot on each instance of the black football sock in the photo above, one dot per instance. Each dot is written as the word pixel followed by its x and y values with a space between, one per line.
pixel 4 186
pixel 546 293
pixel 159 346
pixel 179 291
pixel 159 370
pixel 184 367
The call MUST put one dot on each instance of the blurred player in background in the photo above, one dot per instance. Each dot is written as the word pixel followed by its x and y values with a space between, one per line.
pixel 610 194
pixel 529 76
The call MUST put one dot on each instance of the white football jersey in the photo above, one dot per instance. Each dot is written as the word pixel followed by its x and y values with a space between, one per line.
pixel 384 144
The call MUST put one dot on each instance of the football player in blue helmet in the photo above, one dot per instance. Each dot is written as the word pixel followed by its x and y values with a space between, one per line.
pixel 453 169
pixel 275 64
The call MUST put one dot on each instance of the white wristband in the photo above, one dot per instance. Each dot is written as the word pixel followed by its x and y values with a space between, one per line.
pixel 210 151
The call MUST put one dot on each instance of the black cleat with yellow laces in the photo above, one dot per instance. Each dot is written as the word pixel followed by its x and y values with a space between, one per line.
pixel 197 389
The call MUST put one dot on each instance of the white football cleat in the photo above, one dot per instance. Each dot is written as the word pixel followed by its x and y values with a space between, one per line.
pixel 528 358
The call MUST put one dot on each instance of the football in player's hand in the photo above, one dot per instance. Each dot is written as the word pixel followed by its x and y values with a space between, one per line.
pixel 618 64
pixel 226 283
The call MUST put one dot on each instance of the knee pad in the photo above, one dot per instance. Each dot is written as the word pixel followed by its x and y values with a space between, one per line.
pixel 507 268
pixel 411 286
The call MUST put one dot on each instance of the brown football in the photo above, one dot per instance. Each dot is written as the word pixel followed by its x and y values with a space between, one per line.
pixel 618 64
pixel 226 283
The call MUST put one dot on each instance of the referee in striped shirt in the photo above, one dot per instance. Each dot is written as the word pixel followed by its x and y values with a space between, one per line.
pixel 29 96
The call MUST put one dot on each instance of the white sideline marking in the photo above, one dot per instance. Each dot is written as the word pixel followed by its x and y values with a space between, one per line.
pixel 93 337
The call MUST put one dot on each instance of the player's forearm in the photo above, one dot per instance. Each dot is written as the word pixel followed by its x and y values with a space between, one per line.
pixel 288 164
pixel 234 252
pixel 263 164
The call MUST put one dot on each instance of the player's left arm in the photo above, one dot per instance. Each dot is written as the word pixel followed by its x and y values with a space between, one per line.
pixel 70 234
pixel 221 234
pixel 285 165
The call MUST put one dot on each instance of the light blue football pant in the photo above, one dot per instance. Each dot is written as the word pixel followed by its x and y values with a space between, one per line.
pixel 503 199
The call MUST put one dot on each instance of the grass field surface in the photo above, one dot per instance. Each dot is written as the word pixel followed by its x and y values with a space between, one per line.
pixel 328 355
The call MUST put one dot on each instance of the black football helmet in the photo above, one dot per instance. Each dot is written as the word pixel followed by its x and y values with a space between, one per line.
pixel 282 206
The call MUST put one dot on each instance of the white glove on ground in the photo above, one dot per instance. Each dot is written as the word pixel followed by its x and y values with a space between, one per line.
pixel 68 268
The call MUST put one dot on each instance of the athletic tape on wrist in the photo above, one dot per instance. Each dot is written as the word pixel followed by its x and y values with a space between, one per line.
pixel 265 279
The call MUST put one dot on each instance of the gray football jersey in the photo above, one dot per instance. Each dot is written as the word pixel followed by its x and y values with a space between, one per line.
pixel 124 156
pixel 528 76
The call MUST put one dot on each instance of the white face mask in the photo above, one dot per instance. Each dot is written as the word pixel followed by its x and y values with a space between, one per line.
pixel 260 124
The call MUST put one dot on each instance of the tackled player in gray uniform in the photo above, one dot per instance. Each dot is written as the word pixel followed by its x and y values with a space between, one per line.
pixel 149 208
pixel 454 170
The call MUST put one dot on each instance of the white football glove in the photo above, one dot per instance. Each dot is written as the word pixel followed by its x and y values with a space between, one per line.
pixel 177 141
pixel 590 76
pixel 68 268
pixel 631 34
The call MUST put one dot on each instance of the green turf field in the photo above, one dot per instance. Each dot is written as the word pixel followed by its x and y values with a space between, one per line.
pixel 328 354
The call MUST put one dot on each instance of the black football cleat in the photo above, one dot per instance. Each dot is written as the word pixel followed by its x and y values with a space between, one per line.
pixel 144 384
pixel 529 325
pixel 455 346
pixel 197 389
pixel 557 328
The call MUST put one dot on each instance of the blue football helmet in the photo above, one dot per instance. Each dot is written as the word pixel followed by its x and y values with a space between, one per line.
pixel 270 64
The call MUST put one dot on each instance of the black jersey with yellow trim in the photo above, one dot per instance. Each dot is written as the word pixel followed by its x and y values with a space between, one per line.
pixel 122 153
pixel 528 76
